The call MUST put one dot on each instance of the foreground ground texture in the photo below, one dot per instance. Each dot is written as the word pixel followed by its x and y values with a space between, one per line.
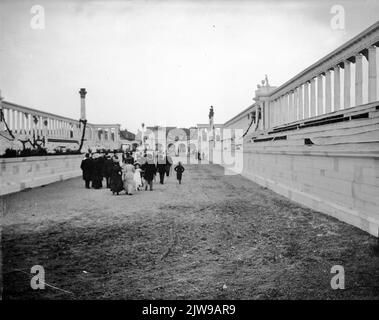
pixel 213 237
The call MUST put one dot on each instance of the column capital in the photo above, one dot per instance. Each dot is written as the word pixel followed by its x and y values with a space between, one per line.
pixel 82 93
pixel 359 55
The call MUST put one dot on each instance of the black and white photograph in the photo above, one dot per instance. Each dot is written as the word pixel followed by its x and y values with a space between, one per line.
pixel 189 150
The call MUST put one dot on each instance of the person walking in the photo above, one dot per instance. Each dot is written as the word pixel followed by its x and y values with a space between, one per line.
pixel 87 168
pixel 150 171
pixel 138 176
pixel 161 168
pixel 116 184
pixel 128 176
pixel 179 172
pixel 168 165
pixel 107 169
pixel 97 173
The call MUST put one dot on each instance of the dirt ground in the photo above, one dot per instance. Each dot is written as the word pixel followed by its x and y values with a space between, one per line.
pixel 213 237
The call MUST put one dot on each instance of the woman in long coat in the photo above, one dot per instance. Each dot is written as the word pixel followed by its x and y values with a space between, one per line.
pixel 128 177
pixel 97 173
pixel 168 165
pixel 116 177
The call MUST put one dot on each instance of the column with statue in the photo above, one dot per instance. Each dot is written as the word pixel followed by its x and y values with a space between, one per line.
pixel 82 120
pixel 211 135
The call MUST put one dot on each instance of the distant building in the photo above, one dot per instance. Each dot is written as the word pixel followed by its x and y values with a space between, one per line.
pixel 127 140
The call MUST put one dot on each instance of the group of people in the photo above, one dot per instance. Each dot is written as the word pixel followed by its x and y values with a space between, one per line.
pixel 127 173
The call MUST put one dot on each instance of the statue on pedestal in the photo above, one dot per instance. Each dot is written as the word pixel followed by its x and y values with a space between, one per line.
pixel 211 113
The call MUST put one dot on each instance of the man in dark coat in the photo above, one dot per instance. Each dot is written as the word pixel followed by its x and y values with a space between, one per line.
pixel 161 168
pixel 87 168
pixel 107 169
pixel 97 173
pixel 179 172
pixel 150 171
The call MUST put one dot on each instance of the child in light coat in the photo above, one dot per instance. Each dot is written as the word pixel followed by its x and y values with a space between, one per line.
pixel 137 176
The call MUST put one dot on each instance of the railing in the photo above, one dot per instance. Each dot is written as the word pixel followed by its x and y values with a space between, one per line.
pixel 327 85
pixel 21 123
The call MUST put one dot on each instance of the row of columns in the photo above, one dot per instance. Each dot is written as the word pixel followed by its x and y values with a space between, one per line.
pixel 103 134
pixel 302 103
pixel 24 123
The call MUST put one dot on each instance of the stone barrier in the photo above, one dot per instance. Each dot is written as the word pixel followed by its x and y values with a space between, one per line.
pixel 17 174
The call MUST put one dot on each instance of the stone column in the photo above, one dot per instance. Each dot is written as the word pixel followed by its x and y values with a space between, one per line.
pixel 320 95
pixel 347 83
pixel 27 124
pixel 372 94
pixel 13 126
pixel 300 104
pixel 277 111
pixel 286 108
pixel 337 88
pixel 328 92
pixel 19 122
pixel 266 106
pixel 358 79
pixel 290 106
pixel 2 125
pixel 313 97
pixel 52 133
pixel 44 127
pixel 306 100
pixel 23 131
pixel 281 104
pixel 296 104
pixel 272 106
pixel 8 116
pixel 82 93
pixel 16 121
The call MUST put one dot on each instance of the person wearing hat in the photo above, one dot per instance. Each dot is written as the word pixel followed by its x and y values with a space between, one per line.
pixel 97 173
pixel 150 171
pixel 107 169
pixel 116 184
pixel 161 168
pixel 128 176
pixel 87 168
pixel 137 176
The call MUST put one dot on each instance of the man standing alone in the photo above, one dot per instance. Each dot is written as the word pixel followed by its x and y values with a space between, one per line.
pixel 87 168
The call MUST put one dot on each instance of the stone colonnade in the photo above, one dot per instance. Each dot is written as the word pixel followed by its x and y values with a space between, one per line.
pixel 27 123
pixel 345 78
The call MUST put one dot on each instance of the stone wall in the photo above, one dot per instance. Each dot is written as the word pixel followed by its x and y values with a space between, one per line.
pixel 332 167
pixel 346 188
pixel 17 174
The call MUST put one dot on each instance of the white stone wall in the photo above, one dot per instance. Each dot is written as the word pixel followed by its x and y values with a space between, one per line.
pixel 17 174
pixel 346 188
pixel 337 174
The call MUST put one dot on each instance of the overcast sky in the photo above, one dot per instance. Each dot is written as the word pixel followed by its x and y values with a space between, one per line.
pixel 163 62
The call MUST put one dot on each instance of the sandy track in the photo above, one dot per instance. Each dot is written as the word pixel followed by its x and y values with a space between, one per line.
pixel 184 241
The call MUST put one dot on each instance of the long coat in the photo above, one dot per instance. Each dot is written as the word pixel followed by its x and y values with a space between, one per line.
pixel 116 180
pixel 168 165
pixel 150 171
pixel 87 168
pixel 128 178
pixel 179 171
pixel 107 168
pixel 97 173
